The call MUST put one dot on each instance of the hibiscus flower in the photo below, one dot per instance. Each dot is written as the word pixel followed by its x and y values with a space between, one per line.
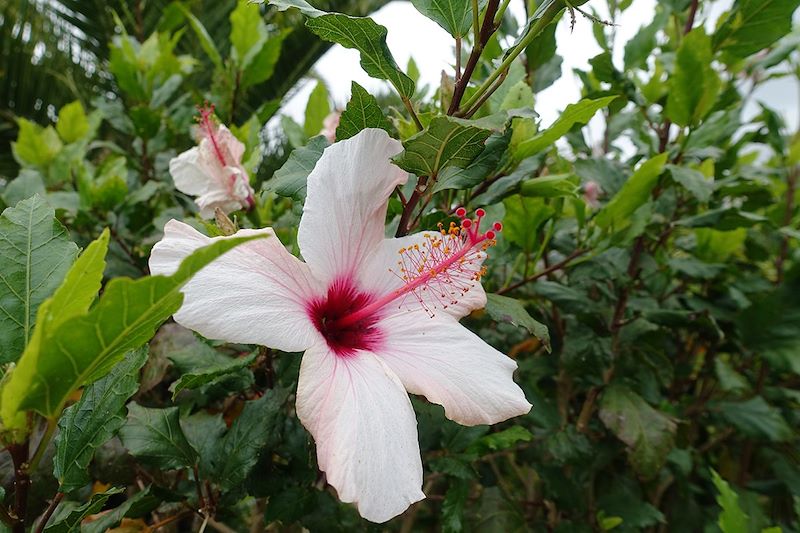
pixel 329 126
pixel 377 319
pixel 213 171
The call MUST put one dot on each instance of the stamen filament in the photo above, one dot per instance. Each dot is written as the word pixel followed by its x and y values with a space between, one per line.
pixel 449 251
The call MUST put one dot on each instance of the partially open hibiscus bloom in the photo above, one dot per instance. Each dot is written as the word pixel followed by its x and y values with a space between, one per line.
pixel 212 171
pixel 375 317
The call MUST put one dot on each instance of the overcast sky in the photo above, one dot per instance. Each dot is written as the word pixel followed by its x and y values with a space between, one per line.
pixel 413 35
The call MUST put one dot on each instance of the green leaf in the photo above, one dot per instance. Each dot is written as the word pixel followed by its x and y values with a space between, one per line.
pixel 551 186
pixel 35 146
pixel 505 309
pixel 193 380
pixel 729 379
pixel 723 219
pixel 633 194
pixel 649 434
pixel 717 246
pixel 693 181
pixel 71 521
pixel 519 96
pixel 72 123
pixel 25 185
pixel 455 500
pixel 455 16
pixel 579 113
pixel 753 25
pixel 731 519
pixel 248 435
pixel 137 505
pixel 205 432
pixel 155 436
pixel 694 84
pixel 248 31
pixel 206 42
pixel 362 112
pixel 523 218
pixel 638 49
pixel 85 347
pixel 317 109
pixel 92 421
pixel 446 142
pixel 290 505
pixel 360 33
pixel 478 170
pixel 542 50
pixel 260 65
pixel 756 418
pixel 502 440
pixel 290 179
pixel 35 254
pixel 80 286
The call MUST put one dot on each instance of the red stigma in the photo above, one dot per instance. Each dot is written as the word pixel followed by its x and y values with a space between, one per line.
pixel 497 226
pixel 461 212
pixel 490 235
pixel 480 213
pixel 343 299
pixel 466 223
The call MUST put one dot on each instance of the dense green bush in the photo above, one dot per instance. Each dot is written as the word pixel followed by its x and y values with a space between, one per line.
pixel 646 285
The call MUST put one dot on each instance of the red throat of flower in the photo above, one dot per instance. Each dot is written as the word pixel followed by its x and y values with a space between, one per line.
pixel 437 272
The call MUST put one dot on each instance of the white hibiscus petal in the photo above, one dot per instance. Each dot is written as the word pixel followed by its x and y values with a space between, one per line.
pixel 451 366
pixel 364 428
pixel 254 294
pixel 231 147
pixel 345 209
pixel 188 173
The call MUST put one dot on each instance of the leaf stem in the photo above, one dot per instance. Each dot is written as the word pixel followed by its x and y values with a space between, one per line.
pixel 474 109
pixel 537 27
pixel 49 511
pixel 43 442
pixel 498 18
pixel 410 108
pixel 549 270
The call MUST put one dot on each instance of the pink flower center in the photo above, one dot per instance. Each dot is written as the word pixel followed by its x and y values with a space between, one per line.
pixel 437 272
pixel 342 300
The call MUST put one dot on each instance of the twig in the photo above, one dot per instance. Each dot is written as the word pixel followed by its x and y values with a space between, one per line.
pixel 170 519
pixel 49 511
pixel 201 501
pixel 405 218
pixel 485 96
pixel 553 268
pixel 22 481
pixel 481 38
pixel 690 19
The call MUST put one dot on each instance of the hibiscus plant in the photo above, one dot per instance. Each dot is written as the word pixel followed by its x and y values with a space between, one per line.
pixel 421 309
